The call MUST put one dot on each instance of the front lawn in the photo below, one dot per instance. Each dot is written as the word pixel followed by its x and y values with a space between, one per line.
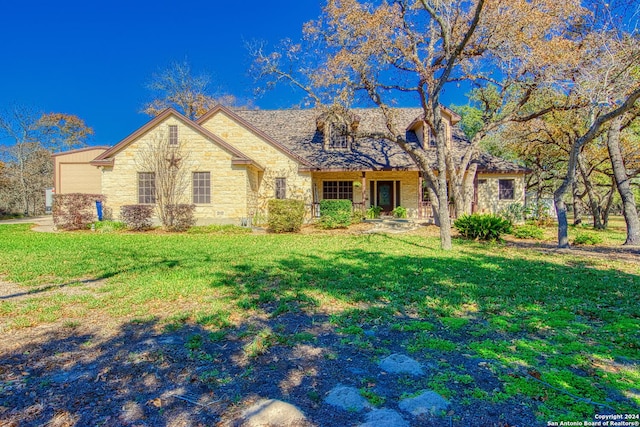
pixel 558 334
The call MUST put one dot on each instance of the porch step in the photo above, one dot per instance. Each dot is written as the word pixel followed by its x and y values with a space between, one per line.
pixel 397 225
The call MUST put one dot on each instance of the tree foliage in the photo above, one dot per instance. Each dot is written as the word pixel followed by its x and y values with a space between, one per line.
pixel 410 51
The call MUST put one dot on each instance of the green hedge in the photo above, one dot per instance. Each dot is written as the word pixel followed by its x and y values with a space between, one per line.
pixel 335 213
pixel 285 215
pixel 482 226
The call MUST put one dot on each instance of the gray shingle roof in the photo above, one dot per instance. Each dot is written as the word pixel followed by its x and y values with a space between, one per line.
pixel 297 131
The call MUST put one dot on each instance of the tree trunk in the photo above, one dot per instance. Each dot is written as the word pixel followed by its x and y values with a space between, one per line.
pixel 607 208
pixel 559 194
pixel 442 185
pixel 577 210
pixel 630 211
pixel 594 205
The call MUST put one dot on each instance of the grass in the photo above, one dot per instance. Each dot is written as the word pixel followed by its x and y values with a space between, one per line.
pixel 574 322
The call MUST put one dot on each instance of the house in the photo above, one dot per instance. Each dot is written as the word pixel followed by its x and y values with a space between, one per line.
pixel 239 159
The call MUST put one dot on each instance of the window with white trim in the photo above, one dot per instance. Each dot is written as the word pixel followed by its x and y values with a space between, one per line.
pixel 201 187
pixel 146 187
pixel 173 135
pixel 338 138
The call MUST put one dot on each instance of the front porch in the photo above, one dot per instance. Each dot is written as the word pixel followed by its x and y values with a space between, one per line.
pixel 386 189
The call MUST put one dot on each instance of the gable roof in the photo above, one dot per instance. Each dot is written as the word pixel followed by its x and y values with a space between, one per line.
pixel 255 130
pixel 297 130
pixel 106 158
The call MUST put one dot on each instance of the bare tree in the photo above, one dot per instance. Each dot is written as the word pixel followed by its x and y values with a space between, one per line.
pixel 168 162
pixel 177 87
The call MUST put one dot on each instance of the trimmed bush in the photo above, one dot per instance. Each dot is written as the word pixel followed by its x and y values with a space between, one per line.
pixel 587 239
pixel 335 213
pixel 137 217
pixel 528 231
pixel 75 211
pixel 180 217
pixel 285 215
pixel 482 226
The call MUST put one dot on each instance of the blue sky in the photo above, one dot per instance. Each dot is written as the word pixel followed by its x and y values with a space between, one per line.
pixel 93 58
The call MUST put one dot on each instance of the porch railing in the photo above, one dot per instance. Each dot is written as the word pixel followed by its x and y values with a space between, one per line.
pixel 425 210
pixel 315 208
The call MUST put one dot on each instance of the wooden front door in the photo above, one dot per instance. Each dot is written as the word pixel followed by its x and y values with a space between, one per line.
pixel 385 196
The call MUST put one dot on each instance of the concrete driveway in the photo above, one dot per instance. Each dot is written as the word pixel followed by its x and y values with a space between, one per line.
pixel 41 223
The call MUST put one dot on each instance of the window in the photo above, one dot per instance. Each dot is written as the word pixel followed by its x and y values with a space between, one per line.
pixel 281 188
pixel 429 135
pixel 337 190
pixel 201 187
pixel 506 189
pixel 146 187
pixel 338 137
pixel 173 135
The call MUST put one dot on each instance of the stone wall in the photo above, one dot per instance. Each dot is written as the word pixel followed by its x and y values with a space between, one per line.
pixel 488 191
pixel 228 182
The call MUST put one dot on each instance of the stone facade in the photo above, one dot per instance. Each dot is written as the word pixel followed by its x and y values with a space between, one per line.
pixel 252 156
pixel 489 200
pixel 228 181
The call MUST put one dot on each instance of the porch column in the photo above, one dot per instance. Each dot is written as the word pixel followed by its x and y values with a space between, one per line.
pixel 364 190
pixel 420 190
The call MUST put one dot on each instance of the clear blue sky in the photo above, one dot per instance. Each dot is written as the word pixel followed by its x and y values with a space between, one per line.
pixel 93 58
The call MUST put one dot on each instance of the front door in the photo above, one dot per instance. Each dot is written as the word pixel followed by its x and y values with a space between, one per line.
pixel 385 196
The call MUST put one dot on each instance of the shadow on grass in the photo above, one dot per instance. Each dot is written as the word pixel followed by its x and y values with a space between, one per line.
pixel 319 319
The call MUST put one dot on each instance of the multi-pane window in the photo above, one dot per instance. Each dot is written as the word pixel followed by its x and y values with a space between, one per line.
pixel 201 187
pixel 281 188
pixel 173 135
pixel 337 190
pixel 506 189
pixel 338 136
pixel 146 187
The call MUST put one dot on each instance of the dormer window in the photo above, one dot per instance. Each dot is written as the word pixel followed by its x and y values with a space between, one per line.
pixel 338 126
pixel 338 137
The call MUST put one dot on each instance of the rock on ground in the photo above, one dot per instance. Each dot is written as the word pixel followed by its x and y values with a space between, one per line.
pixel 271 412
pixel 384 418
pixel 428 402
pixel 347 398
pixel 401 364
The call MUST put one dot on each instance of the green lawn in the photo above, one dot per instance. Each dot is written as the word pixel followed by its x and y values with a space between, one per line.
pixel 573 323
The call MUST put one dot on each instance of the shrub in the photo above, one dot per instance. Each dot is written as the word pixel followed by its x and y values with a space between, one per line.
pixel 399 212
pixel 528 231
pixel 514 213
pixel 285 215
pixel 137 217
pixel 587 239
pixel 75 211
pixel 180 217
pixel 482 226
pixel 335 213
pixel 374 212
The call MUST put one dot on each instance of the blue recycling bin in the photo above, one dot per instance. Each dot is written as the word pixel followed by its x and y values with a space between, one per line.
pixel 99 209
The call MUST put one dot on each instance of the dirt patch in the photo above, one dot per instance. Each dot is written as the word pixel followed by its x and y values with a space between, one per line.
pixel 140 374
